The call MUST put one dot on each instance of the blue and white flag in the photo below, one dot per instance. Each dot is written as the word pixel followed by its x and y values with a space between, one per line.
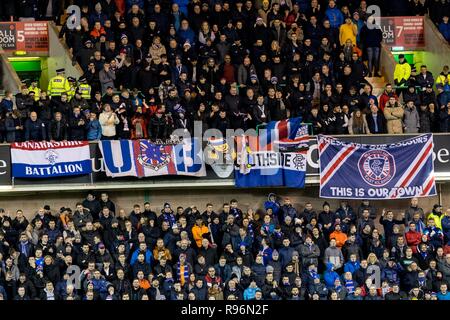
pixel 50 159
pixel 275 131
pixel 142 158
pixel 396 171
pixel 276 157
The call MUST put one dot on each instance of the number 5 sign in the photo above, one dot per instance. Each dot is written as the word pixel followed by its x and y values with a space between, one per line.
pixel 24 36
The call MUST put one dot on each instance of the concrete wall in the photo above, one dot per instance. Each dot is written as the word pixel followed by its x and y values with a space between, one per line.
pixel 9 78
pixel 59 57
pixel 187 197
pixel 387 64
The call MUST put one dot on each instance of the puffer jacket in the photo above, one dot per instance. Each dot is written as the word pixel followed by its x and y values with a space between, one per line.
pixel 394 116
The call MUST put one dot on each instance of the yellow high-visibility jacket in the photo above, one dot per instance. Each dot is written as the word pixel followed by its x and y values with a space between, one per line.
pixel 402 71
pixel 58 85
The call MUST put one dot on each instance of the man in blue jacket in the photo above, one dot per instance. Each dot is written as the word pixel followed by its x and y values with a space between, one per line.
pixel 334 15
pixel 330 275
pixel 444 294
pixel 142 249
pixel 444 28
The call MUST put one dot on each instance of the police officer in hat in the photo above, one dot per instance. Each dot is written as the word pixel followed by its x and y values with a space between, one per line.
pixel 73 87
pixel 84 88
pixel 58 84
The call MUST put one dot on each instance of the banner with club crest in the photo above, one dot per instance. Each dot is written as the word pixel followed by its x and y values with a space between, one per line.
pixel 276 157
pixel 144 158
pixel 43 159
pixel 380 171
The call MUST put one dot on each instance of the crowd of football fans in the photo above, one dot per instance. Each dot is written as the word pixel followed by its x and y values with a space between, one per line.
pixel 97 251
pixel 151 67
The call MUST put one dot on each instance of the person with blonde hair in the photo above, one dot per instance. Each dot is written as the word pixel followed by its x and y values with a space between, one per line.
pixel 357 123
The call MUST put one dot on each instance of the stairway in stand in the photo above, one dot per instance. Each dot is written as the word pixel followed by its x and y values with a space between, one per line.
pixel 378 85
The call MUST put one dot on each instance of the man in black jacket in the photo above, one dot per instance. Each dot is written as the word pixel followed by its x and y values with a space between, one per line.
pixel 93 205
pixel 24 101
pixel 157 127
pixel 77 125
pixel 359 69
pixel 337 121
pixel 424 78
pixel 58 129
pixel 376 121
pixel 35 128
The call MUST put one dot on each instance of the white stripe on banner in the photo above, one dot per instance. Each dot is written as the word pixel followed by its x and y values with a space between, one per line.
pixel 116 156
pixel 43 157
pixel 404 180
pixel 428 185
pixel 337 162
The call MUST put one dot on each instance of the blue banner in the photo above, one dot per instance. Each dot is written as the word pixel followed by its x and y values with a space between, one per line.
pixel 277 157
pixel 387 171
pixel 143 158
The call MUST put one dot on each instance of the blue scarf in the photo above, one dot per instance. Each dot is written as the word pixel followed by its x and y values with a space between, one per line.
pixel 250 230
pixel 350 285
pixel 170 218
pixel 23 248
pixel 277 234
pixel 314 274
pixel 185 275
pixel 235 212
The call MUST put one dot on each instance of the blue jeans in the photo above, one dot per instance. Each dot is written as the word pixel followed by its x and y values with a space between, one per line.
pixel 373 55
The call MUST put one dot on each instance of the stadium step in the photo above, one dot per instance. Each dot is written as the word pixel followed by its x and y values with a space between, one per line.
pixel 378 85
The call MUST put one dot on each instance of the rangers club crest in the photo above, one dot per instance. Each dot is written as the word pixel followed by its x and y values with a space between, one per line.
pixel 51 156
pixel 153 156
pixel 377 167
